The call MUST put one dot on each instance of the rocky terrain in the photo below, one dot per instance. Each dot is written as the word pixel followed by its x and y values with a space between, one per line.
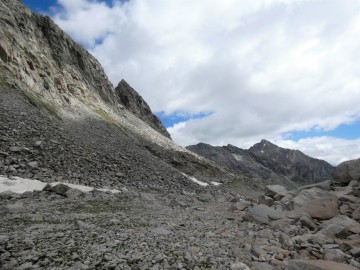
pixel 61 120
pixel 268 162
pixel 315 227
pixel 78 127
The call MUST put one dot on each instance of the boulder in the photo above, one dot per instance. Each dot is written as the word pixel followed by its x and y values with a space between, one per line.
pixel 74 193
pixel 276 191
pixel 347 171
pixel 263 214
pixel 337 224
pixel 317 265
pixel 317 203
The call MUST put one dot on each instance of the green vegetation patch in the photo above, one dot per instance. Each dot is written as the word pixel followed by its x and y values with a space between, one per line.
pixel 104 115
pixel 37 101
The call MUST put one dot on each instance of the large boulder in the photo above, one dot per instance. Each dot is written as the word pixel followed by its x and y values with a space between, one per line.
pixel 317 265
pixel 347 171
pixel 317 203
pixel 263 214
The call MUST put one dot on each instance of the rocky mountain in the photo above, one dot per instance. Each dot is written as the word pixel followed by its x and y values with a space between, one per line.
pixel 61 118
pixel 90 180
pixel 268 162
pixel 138 106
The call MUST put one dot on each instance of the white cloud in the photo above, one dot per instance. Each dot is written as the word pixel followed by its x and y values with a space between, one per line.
pixel 263 67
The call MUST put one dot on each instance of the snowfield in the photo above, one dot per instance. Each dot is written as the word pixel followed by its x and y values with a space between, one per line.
pixel 21 185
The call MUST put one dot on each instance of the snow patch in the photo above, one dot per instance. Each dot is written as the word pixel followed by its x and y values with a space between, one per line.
pixel 21 185
pixel 216 183
pixel 262 151
pixel 195 180
pixel 238 157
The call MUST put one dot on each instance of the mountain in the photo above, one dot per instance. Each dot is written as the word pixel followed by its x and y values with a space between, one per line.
pixel 62 119
pixel 138 106
pixel 268 162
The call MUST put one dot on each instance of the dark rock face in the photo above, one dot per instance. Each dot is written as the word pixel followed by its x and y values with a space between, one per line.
pixel 293 164
pixel 268 162
pixel 348 171
pixel 138 106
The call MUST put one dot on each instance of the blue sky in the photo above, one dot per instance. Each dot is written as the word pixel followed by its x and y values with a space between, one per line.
pixel 281 70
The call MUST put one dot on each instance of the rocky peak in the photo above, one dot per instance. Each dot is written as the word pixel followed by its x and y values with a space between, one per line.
pixel 138 106
pixel 269 162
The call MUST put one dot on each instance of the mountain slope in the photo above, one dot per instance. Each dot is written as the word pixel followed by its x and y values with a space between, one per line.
pixel 61 118
pixel 268 162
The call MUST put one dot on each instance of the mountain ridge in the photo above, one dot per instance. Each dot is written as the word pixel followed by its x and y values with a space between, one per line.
pixel 268 162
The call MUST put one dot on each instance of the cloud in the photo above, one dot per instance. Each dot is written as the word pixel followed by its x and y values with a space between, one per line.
pixel 263 68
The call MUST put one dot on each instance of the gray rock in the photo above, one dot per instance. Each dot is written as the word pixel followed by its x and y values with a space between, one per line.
pixel 15 149
pixel 347 171
pixel 335 255
pixel 161 231
pixel 276 190
pixel 33 164
pixel 317 265
pixel 60 189
pixel 239 266
pixel 317 203
pixel 74 194
pixel 263 214
pixel 261 266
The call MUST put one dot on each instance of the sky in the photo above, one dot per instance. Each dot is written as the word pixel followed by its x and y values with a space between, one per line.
pixel 232 71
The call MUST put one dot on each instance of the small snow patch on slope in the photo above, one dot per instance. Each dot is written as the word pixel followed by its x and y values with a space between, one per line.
pixel 216 183
pixel 195 180
pixel 21 185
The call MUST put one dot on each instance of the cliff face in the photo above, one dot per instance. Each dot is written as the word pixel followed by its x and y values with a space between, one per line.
pixel 138 106
pixel 47 61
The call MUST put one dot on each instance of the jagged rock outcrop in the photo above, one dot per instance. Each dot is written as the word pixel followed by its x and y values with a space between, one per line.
pixel 138 106
pixel 269 162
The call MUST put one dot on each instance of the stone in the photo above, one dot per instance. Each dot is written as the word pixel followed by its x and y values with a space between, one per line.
pixel 38 144
pixel 356 214
pixel 15 208
pixel 239 266
pixel 6 195
pixel 60 189
pixel 33 164
pixel 273 190
pixel 340 220
pixel 15 149
pixel 263 214
pixel 347 171
pixel 74 194
pixel 161 231
pixel 317 265
pixel 317 203
pixel 261 266
pixel 335 255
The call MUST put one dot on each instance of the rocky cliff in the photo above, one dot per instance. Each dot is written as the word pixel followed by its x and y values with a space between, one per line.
pixel 138 106
pixel 268 162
